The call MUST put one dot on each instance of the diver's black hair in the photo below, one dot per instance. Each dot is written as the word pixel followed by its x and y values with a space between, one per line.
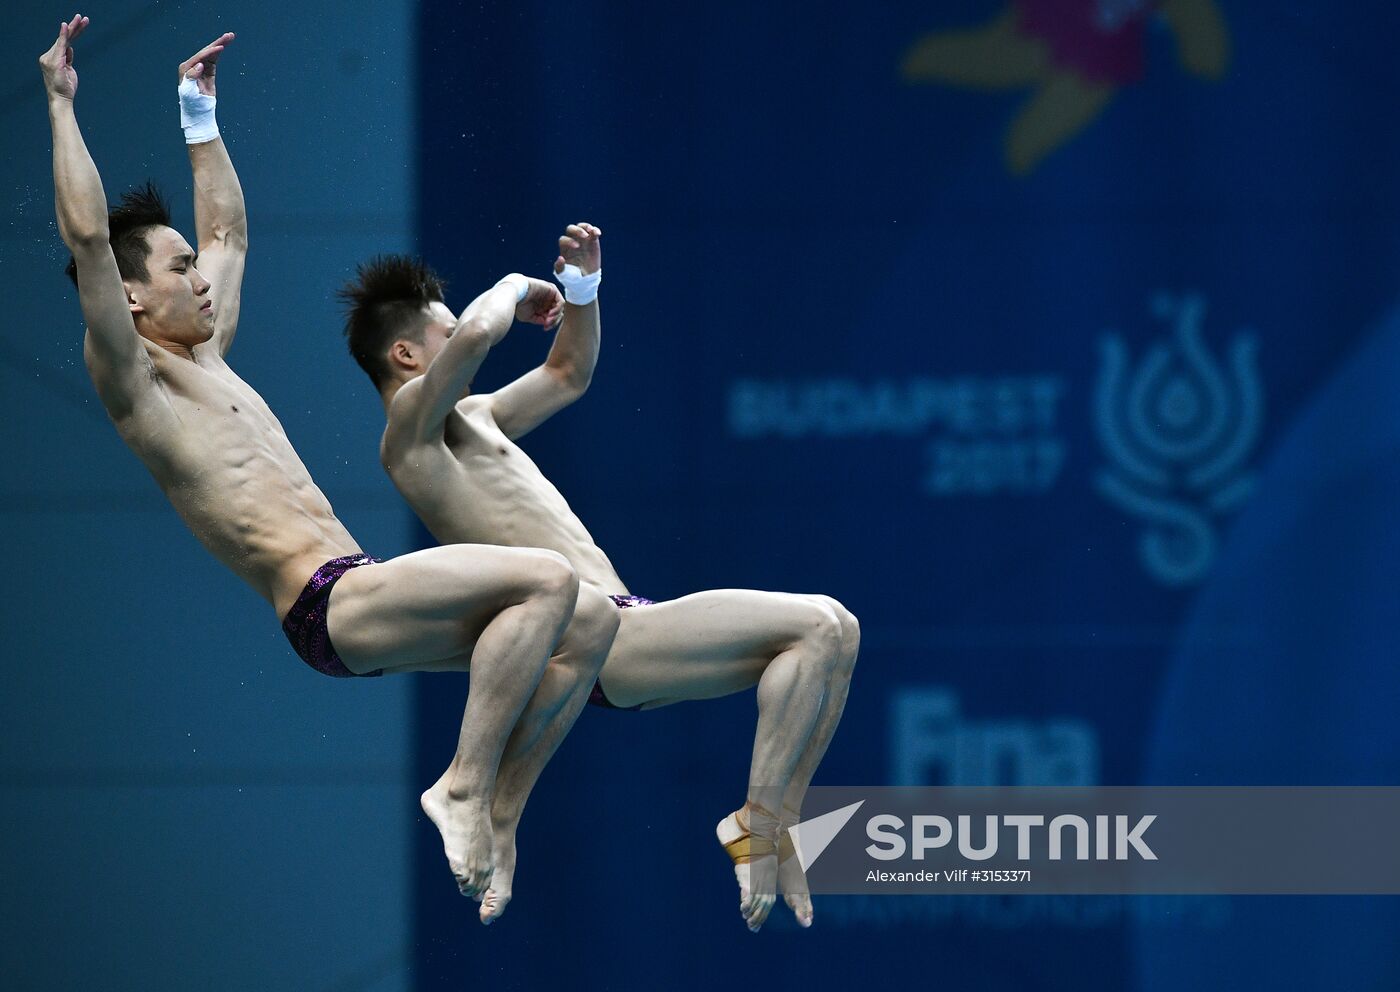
pixel 383 303
pixel 128 224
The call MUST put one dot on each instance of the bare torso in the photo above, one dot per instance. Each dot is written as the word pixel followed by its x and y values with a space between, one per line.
pixel 476 486
pixel 225 464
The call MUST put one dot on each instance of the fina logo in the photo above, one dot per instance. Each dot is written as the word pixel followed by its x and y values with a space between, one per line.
pixel 1178 432
pixel 932 742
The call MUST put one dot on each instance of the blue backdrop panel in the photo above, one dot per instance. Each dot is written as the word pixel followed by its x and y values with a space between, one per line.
pixel 1043 335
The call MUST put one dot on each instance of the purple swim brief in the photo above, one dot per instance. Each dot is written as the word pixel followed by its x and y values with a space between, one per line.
pixel 305 623
pixel 598 697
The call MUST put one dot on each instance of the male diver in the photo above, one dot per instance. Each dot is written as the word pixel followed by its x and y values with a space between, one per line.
pixel 160 317
pixel 452 454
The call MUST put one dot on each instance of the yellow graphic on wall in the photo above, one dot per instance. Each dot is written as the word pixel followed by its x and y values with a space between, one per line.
pixel 1074 54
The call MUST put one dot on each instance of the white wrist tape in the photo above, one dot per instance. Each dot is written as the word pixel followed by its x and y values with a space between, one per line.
pixel 579 289
pixel 197 114
pixel 519 283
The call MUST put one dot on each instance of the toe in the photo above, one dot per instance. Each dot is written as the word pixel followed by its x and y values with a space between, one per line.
pixel 759 914
pixel 493 906
pixel 472 885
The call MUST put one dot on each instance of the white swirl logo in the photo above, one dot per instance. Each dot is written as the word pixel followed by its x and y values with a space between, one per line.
pixel 1178 432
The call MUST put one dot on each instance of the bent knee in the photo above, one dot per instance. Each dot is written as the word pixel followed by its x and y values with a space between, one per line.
pixel 821 631
pixel 551 575
pixel 850 628
pixel 594 625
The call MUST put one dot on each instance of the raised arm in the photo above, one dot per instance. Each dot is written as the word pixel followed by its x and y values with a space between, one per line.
pixel 221 223
pixel 524 404
pixel 481 326
pixel 114 354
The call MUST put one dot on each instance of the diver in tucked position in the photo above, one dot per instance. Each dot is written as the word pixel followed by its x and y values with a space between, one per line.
pixel 160 317
pixel 452 454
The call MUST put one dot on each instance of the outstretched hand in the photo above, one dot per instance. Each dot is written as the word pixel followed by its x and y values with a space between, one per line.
pixel 57 63
pixel 201 65
pixel 580 246
pixel 543 304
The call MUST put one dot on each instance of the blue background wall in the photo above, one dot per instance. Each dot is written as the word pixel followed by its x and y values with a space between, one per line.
pixel 847 350
pixel 185 804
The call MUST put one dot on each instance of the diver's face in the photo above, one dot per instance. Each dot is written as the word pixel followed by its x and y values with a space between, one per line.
pixel 436 333
pixel 173 305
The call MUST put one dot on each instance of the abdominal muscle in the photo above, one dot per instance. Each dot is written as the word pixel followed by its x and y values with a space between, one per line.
pixel 479 487
pixel 228 469
pixel 271 528
pixel 505 508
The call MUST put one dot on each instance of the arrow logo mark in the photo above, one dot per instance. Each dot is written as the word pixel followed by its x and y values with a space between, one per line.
pixel 811 837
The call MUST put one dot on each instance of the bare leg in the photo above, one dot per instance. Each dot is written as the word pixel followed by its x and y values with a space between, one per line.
pixel 551 713
pixel 838 686
pixel 715 643
pixel 792 881
pixel 505 609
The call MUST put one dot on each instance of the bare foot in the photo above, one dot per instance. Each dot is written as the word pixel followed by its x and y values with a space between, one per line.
pixel 792 883
pixel 755 861
pixel 465 825
pixel 495 899
pixel 792 880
